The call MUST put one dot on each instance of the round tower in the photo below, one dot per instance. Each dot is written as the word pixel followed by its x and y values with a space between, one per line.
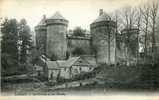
pixel 103 38
pixel 40 31
pixel 130 38
pixel 56 37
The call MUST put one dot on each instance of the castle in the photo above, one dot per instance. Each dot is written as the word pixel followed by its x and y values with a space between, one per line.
pixel 103 41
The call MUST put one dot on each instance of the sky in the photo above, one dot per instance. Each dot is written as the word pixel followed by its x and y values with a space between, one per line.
pixel 78 12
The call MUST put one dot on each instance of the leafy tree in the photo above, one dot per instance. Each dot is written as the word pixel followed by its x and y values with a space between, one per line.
pixel 35 54
pixel 25 43
pixel 78 31
pixel 154 16
pixel 53 57
pixel 9 46
pixel 78 51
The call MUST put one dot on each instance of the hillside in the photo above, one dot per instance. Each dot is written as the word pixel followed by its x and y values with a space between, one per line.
pixel 142 76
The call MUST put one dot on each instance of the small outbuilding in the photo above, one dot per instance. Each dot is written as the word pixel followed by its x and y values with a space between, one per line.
pixel 67 69
pixel 76 66
pixel 53 70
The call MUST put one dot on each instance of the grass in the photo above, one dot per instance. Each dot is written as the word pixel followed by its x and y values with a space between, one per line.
pixel 109 78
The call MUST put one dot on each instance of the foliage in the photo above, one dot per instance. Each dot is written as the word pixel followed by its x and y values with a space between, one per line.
pixel 25 43
pixel 53 57
pixel 78 31
pixel 78 51
pixel 145 18
pixel 35 54
pixel 16 43
pixel 9 45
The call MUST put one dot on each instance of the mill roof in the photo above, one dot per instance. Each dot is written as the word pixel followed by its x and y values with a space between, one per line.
pixel 52 65
pixel 103 17
pixel 78 61
pixel 70 62
pixel 90 59
pixel 61 62
pixel 57 15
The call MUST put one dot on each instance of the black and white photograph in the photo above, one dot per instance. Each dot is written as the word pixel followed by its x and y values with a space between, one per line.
pixel 79 47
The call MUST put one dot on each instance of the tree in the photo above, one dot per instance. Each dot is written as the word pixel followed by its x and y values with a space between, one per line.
pixel 131 19
pixel 153 15
pixel 78 51
pixel 128 16
pixel 138 24
pixel 25 43
pixel 115 35
pixel 9 46
pixel 78 31
pixel 145 11
pixel 54 57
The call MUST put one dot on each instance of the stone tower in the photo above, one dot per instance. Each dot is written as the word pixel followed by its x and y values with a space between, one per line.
pixel 40 30
pixel 56 45
pixel 103 38
pixel 130 38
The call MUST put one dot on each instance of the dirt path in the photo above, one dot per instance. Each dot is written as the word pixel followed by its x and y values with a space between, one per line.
pixel 74 84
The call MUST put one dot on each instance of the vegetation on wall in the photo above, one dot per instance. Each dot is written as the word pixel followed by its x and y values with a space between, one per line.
pixel 78 31
pixel 53 57
pixel 78 51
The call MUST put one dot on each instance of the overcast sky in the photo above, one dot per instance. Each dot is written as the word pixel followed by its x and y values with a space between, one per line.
pixel 78 12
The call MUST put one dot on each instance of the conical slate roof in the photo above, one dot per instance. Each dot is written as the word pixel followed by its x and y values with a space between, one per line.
pixel 103 17
pixel 57 15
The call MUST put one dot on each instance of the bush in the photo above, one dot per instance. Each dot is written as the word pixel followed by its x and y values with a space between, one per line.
pixel 53 57
pixel 78 31
pixel 78 51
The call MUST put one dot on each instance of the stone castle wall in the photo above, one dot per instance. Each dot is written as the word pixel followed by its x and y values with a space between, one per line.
pixel 79 42
pixel 52 40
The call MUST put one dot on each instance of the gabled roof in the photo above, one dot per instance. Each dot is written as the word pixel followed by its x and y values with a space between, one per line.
pixel 79 61
pixel 103 17
pixel 52 65
pixel 76 61
pixel 70 61
pixel 61 62
pixel 90 59
pixel 57 15
pixel 82 62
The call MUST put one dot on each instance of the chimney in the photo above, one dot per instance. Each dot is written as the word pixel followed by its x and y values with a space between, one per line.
pixel 44 16
pixel 100 12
